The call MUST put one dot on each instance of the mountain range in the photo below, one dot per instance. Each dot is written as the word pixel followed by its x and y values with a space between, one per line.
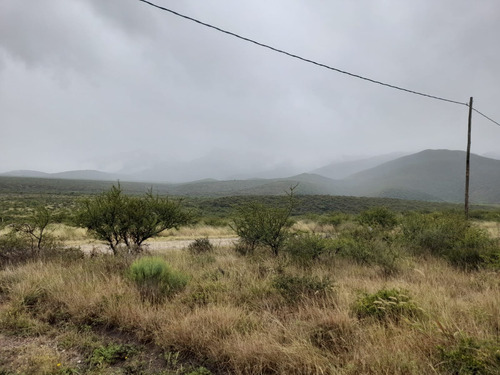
pixel 430 175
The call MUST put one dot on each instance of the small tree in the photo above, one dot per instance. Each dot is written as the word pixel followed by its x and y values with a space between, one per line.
pixel 103 216
pixel 116 218
pixel 35 228
pixel 150 215
pixel 260 224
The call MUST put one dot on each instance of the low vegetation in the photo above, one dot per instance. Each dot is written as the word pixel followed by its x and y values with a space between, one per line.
pixel 155 279
pixel 117 218
pixel 381 292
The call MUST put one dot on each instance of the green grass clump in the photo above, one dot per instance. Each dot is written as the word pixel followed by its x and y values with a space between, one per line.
pixel 155 279
pixel 470 357
pixel 111 354
pixel 387 304
pixel 292 288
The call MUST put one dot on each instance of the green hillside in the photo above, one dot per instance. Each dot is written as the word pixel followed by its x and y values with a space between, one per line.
pixel 431 175
pixel 436 175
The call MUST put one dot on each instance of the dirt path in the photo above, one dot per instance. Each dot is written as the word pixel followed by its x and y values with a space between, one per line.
pixel 160 245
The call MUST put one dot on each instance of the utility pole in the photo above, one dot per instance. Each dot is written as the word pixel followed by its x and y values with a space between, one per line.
pixel 467 163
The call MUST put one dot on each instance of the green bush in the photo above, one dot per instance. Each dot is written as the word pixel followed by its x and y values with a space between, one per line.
pixel 201 246
pixel 450 236
pixel 155 279
pixel 378 217
pixel 387 304
pixel 263 224
pixel 306 247
pixel 14 249
pixel 292 288
pixel 369 247
pixel 470 357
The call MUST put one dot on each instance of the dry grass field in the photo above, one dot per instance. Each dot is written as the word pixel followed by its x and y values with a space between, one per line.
pixel 257 314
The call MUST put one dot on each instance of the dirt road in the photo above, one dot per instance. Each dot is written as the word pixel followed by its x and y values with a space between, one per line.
pixel 160 245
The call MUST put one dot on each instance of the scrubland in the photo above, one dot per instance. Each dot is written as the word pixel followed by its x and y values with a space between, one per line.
pixel 367 300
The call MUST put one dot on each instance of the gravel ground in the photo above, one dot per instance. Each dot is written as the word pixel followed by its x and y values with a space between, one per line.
pixel 161 245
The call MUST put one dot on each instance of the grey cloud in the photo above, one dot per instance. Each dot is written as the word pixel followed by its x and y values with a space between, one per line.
pixel 89 79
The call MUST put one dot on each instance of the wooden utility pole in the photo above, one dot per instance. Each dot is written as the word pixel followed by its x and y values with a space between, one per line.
pixel 467 163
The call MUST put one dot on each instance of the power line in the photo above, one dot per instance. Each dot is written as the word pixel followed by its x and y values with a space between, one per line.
pixel 482 114
pixel 314 62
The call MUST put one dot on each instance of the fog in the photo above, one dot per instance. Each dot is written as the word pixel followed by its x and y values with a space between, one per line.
pixel 120 86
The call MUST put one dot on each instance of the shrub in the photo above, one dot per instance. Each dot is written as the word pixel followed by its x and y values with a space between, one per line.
pixel 14 249
pixel 201 246
pixel 261 224
pixel 369 247
pixel 387 304
pixel 334 219
pixel 243 248
pixel 449 236
pixel 294 287
pixel 155 279
pixel 306 247
pixel 469 356
pixel 378 217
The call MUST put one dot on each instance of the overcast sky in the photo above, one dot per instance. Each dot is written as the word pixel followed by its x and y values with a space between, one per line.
pixel 113 84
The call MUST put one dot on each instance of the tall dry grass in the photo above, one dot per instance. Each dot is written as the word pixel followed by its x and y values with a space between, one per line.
pixel 231 318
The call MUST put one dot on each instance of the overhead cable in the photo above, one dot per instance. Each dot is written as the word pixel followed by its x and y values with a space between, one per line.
pixel 312 61
pixel 482 114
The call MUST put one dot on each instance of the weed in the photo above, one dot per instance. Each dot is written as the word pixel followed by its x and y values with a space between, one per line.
pixel 337 335
pixel 155 279
pixel 292 288
pixel 243 248
pixel 201 246
pixel 200 371
pixel 387 304
pixel 111 354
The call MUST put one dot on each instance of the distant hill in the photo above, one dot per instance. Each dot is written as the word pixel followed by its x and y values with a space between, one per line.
pixel 26 173
pixel 343 169
pixel 68 175
pixel 88 175
pixel 492 155
pixel 306 184
pixel 435 174
pixel 431 175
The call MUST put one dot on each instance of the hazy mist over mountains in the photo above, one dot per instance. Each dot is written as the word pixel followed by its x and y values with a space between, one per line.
pixel 121 87
pixel 430 175
pixel 217 165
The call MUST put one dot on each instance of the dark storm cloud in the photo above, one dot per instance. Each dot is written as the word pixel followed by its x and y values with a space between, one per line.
pixel 84 83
